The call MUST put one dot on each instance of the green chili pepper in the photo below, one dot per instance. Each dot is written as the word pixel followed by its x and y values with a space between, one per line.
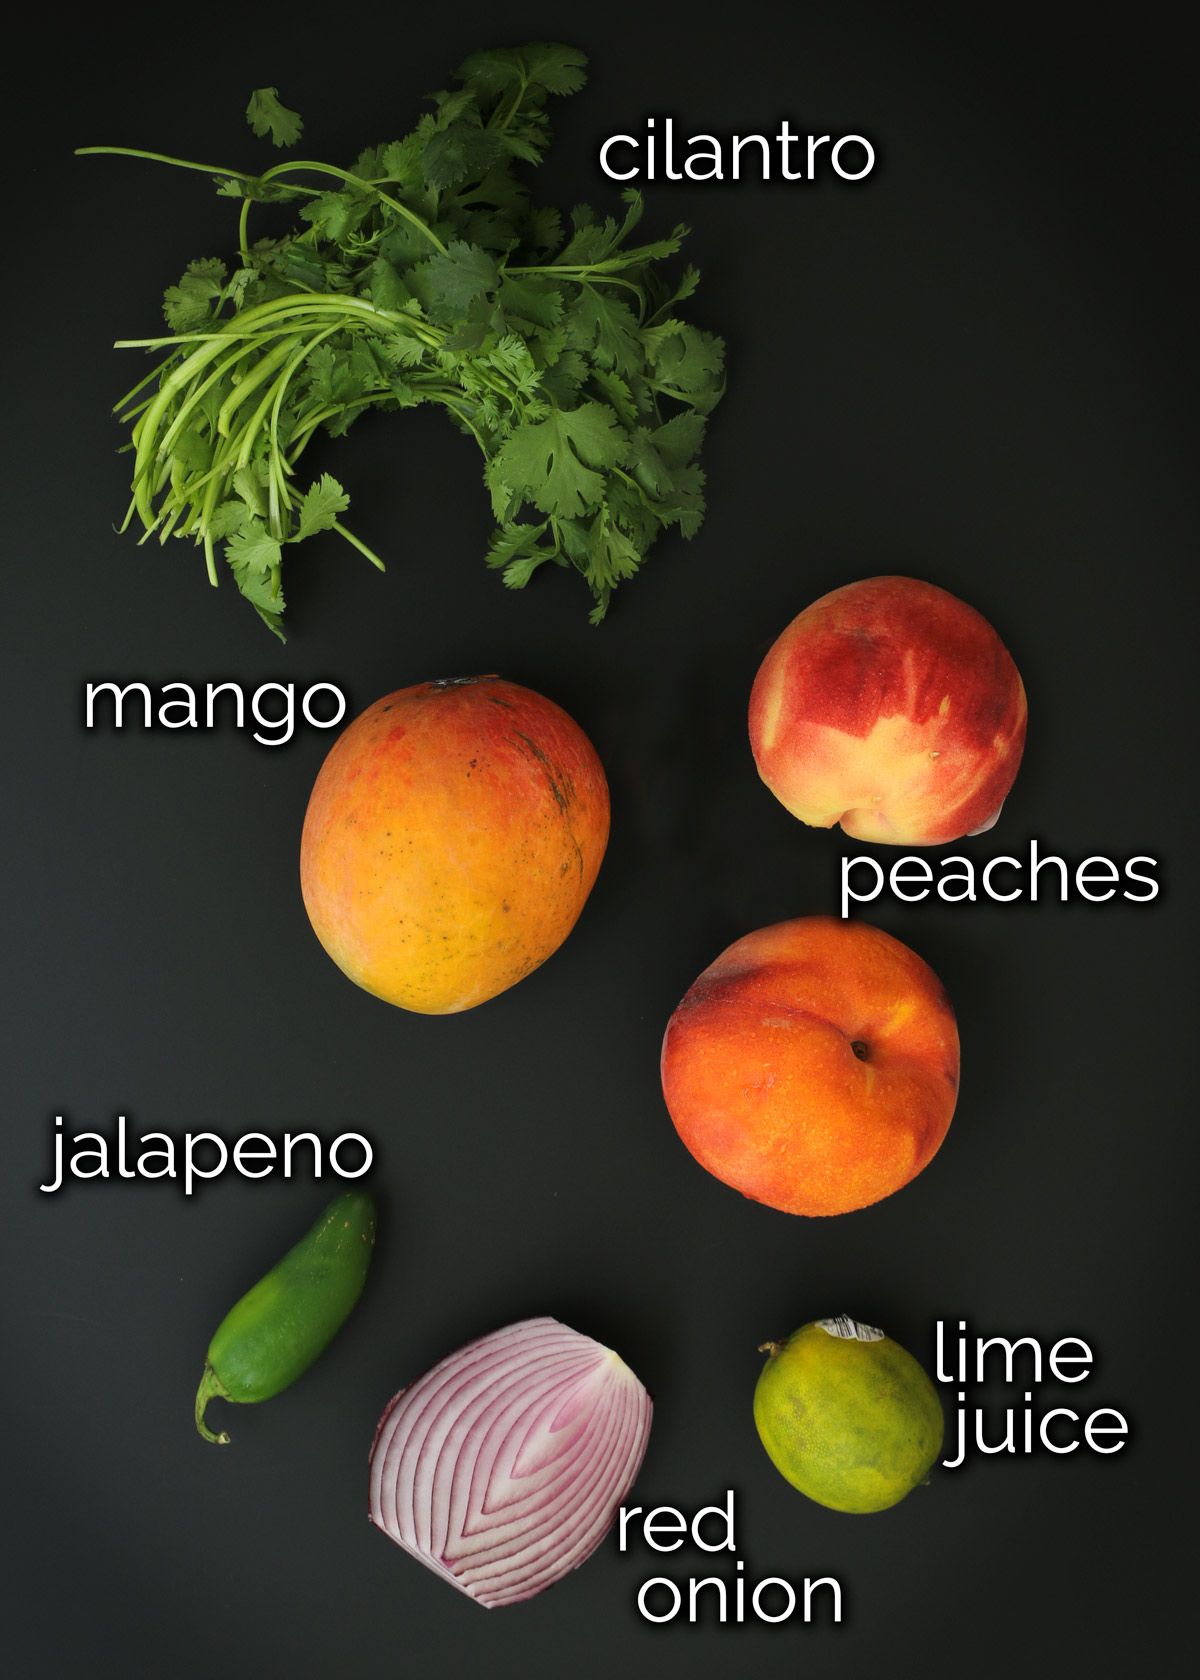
pixel 279 1327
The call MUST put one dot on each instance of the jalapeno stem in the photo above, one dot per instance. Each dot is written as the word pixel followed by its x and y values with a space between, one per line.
pixel 210 1385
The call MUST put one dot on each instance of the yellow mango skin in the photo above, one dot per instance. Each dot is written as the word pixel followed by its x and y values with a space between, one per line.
pixel 451 840
pixel 853 1425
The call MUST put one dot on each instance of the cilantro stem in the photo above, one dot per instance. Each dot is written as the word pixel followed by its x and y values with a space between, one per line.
pixel 244 233
pixel 450 396
pixel 239 449
pixel 206 513
pixel 132 413
pixel 514 107
pixel 186 407
pixel 245 325
pixel 360 546
pixel 281 385
pixel 154 373
pixel 220 337
pixel 218 470
pixel 147 427
pixel 167 527
pixel 161 157
pixel 308 426
pixel 576 269
pixel 247 386
pixel 358 181
pixel 604 279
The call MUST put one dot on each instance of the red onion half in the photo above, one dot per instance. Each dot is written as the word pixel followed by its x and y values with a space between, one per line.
pixel 503 1467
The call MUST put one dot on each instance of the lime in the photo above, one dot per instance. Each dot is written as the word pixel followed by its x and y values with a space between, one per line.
pixel 847 1416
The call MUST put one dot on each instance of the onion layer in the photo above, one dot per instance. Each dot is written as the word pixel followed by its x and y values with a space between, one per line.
pixel 502 1468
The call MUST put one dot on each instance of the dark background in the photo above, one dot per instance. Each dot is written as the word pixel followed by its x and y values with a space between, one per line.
pixel 975 368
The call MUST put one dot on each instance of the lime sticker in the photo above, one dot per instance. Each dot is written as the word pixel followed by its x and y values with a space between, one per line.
pixel 849 1329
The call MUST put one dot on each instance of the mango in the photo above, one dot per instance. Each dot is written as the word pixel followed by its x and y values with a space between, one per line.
pixel 451 840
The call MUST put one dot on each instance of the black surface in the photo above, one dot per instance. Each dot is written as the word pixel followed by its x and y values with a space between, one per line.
pixel 977 368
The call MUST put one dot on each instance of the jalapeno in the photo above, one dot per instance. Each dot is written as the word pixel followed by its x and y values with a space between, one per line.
pixel 279 1327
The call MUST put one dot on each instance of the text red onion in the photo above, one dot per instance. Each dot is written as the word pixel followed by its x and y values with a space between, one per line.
pixel 503 1467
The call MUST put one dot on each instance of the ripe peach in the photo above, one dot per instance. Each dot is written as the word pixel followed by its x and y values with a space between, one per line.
pixel 893 708
pixel 452 837
pixel 813 1066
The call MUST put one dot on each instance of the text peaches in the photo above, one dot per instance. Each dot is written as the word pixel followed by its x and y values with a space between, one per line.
pixel 813 1066
pixel 892 708
pixel 452 837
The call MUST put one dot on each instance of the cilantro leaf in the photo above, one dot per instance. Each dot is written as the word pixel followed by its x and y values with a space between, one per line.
pixel 518 550
pixel 686 504
pixel 262 590
pixel 545 229
pixel 227 518
pixel 453 281
pixel 552 463
pixel 562 378
pixel 366 165
pixel 189 304
pixel 460 150
pixel 634 511
pixel 388 290
pixel 320 506
pixel 334 214
pixel 647 464
pixel 690 359
pixel 401 161
pixel 266 116
pixel 536 301
pixel 253 549
pixel 192 451
pixel 557 68
pixel 606 326
pixel 619 394
pixel 613 555
pixel 491 71
pixel 680 438
pixel 250 482
pixel 547 64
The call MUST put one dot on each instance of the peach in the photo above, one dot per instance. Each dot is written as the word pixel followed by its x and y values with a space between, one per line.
pixel 813 1066
pixel 892 708
pixel 453 835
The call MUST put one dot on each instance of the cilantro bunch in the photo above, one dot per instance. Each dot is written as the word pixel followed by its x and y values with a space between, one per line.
pixel 424 273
